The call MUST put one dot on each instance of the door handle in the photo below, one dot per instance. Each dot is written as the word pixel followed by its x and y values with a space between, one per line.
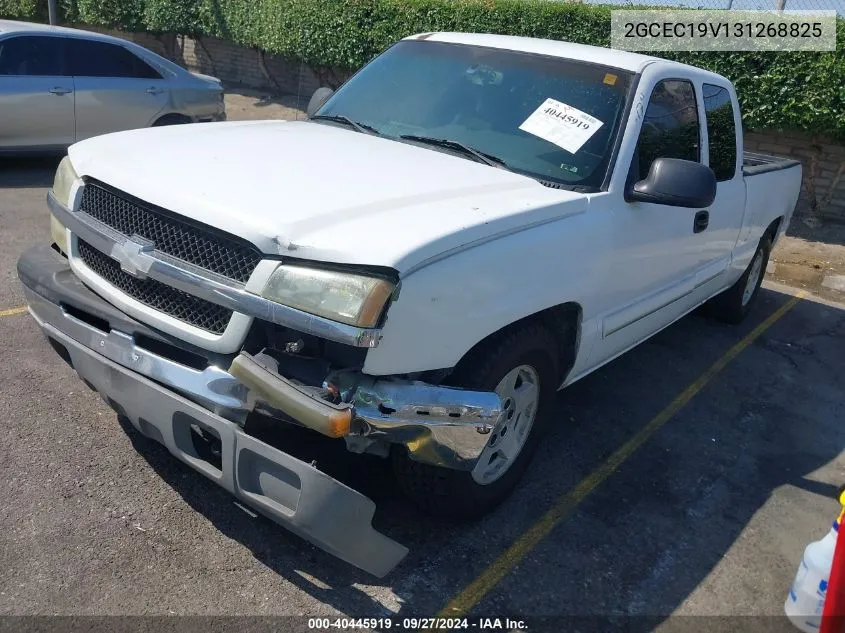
pixel 58 90
pixel 702 219
pixel 154 91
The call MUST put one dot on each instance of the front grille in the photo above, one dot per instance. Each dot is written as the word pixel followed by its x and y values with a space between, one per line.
pixel 218 252
pixel 180 305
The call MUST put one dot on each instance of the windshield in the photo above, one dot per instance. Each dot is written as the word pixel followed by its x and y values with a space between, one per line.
pixel 549 118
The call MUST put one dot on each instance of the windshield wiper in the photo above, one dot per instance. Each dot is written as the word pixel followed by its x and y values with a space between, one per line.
pixel 481 157
pixel 339 118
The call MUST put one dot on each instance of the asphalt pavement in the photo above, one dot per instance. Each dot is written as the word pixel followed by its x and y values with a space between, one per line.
pixel 708 516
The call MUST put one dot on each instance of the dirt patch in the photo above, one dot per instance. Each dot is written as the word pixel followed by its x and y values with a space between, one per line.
pixel 245 104
pixel 808 254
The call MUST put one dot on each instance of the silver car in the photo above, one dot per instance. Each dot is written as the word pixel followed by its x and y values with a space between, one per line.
pixel 60 85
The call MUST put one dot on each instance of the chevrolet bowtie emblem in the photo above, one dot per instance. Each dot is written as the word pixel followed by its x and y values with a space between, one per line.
pixel 134 256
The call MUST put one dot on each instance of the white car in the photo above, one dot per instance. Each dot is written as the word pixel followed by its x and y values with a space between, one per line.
pixel 470 224
pixel 60 85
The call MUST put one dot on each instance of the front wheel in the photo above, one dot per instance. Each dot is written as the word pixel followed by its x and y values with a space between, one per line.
pixel 733 305
pixel 520 367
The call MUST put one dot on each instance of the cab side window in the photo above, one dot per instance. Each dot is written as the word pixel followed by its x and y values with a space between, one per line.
pixel 670 126
pixel 721 131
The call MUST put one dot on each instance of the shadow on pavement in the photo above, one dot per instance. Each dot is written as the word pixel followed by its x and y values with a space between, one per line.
pixel 24 172
pixel 322 576
pixel 826 232
pixel 643 541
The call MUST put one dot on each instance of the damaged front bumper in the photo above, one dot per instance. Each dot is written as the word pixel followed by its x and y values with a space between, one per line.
pixel 169 400
pixel 291 492
pixel 442 426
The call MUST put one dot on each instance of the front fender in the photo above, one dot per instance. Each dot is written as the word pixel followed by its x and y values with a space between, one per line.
pixel 447 307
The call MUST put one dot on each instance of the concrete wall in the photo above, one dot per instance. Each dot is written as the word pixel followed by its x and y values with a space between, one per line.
pixel 231 63
pixel 247 66
pixel 823 193
pixel 824 169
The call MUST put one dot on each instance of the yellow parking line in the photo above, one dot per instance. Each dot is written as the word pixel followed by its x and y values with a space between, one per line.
pixel 472 594
pixel 13 311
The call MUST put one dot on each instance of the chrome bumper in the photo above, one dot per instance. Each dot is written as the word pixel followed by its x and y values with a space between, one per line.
pixel 438 425
pixel 212 387
pixel 443 426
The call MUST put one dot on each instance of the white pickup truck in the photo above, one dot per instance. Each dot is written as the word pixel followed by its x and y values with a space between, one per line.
pixel 470 224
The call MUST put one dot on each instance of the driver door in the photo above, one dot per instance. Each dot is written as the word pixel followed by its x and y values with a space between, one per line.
pixel 652 273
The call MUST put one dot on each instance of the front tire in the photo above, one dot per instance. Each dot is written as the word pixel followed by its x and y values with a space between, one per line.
pixel 733 305
pixel 521 367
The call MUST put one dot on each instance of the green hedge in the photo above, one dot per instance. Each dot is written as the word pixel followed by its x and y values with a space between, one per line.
pixel 36 10
pixel 23 9
pixel 804 91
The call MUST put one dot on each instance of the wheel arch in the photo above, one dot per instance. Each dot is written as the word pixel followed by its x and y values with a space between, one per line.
pixel 171 118
pixel 563 321
pixel 773 228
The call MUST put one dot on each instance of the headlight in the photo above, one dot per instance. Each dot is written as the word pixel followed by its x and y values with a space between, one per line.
pixel 349 298
pixel 63 181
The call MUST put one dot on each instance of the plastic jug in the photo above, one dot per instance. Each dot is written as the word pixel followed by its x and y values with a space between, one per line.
pixel 805 601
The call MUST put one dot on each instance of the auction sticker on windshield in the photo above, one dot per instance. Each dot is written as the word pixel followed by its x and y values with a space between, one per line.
pixel 561 124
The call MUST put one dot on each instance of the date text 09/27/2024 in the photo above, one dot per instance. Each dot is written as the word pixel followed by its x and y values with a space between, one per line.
pixel 417 624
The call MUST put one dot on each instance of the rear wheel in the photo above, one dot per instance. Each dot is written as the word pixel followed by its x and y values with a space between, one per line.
pixel 520 367
pixel 172 119
pixel 733 305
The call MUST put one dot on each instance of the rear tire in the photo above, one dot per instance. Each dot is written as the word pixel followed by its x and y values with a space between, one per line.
pixel 526 358
pixel 172 119
pixel 733 305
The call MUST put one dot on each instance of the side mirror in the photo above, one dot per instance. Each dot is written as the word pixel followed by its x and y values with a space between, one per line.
pixel 676 182
pixel 320 96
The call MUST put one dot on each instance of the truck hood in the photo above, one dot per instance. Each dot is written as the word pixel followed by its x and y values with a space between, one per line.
pixel 322 192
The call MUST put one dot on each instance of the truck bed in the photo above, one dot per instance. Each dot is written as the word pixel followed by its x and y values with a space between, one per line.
pixel 772 185
pixel 754 164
